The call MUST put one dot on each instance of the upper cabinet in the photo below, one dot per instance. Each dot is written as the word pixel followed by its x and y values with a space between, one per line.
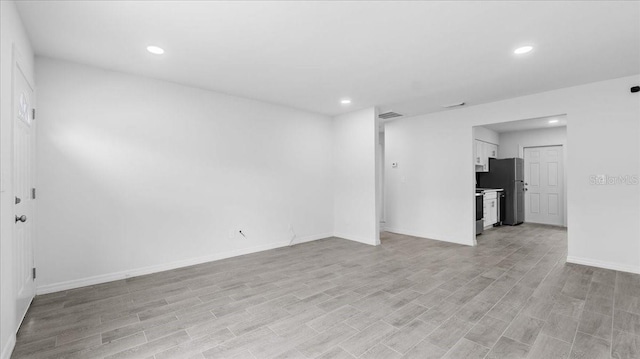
pixel 492 150
pixel 484 151
pixel 479 153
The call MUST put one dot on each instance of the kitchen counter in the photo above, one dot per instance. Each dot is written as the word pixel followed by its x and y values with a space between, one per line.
pixel 489 189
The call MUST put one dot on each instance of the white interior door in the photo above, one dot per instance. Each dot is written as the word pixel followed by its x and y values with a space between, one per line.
pixel 23 155
pixel 544 192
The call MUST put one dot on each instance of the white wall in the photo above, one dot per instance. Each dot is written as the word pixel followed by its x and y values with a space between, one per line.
pixel 486 135
pixel 12 34
pixel 424 194
pixel 354 150
pixel 512 144
pixel 430 194
pixel 138 175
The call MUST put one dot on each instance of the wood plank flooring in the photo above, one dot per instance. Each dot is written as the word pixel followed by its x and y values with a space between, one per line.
pixel 512 296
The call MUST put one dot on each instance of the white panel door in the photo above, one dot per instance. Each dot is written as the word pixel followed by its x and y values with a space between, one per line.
pixel 544 192
pixel 23 151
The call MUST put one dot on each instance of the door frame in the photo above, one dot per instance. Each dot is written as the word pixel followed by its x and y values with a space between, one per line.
pixel 18 64
pixel 564 175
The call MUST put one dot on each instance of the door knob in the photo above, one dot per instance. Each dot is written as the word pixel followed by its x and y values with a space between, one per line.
pixel 18 200
pixel 22 218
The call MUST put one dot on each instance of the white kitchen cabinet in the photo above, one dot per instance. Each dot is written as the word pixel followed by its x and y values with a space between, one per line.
pixel 490 209
pixel 492 150
pixel 479 152
pixel 484 151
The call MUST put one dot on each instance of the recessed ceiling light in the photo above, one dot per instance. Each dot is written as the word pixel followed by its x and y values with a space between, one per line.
pixel 522 50
pixel 553 121
pixel 345 101
pixel 155 50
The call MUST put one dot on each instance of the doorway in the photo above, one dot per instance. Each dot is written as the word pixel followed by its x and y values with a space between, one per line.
pixel 540 146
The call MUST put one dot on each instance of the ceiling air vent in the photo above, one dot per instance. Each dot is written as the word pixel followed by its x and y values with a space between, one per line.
pixel 452 105
pixel 388 115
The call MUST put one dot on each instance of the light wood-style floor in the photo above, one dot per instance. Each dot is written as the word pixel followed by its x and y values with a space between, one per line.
pixel 512 296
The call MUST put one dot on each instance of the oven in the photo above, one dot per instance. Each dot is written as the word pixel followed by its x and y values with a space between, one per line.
pixel 479 212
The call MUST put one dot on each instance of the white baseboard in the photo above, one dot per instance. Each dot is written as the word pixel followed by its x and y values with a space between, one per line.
pixel 602 264
pixel 110 277
pixel 8 348
pixel 423 235
pixel 354 238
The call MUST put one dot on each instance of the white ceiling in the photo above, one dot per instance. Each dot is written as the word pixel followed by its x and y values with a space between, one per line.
pixel 410 57
pixel 530 124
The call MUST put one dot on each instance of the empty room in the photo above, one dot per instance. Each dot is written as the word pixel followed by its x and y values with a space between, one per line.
pixel 319 179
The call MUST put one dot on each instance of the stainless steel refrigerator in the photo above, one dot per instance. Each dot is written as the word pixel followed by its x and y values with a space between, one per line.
pixel 508 174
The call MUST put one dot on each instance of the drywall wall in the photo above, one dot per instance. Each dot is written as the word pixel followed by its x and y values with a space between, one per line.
pixel 12 35
pixel 355 144
pixel 424 193
pixel 486 135
pixel 430 194
pixel 138 175
pixel 513 143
